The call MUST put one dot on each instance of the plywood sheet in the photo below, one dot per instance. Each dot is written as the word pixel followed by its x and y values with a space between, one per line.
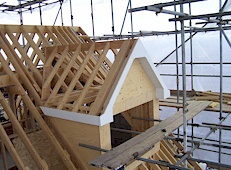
pixel 136 90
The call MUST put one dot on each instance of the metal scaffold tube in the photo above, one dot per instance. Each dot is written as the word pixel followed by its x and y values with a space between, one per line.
pixel 197 144
pixel 131 18
pixel 161 163
pixel 72 17
pixel 177 65
pixel 92 20
pixel 40 13
pixel 121 30
pixel 184 85
pixel 191 58
pixel 112 19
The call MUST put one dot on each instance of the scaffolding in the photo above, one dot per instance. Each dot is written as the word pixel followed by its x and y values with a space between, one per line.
pixel 222 24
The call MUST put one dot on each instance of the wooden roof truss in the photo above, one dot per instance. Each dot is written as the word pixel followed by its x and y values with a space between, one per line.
pixel 61 68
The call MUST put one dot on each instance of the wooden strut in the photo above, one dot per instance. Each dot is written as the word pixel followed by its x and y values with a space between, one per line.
pixel 141 143
pixel 22 135
pixel 10 147
pixel 21 70
pixel 78 102
pixel 63 154
pixel 76 78
pixel 101 97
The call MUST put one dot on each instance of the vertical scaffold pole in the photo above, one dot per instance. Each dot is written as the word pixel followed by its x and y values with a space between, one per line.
pixel 192 72
pixel 184 84
pixel 40 13
pixel 177 67
pixel 21 20
pixel 221 88
pixel 72 17
pixel 130 2
pixel 112 19
pixel 92 20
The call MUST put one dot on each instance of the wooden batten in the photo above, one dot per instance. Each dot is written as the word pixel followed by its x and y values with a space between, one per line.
pixel 70 78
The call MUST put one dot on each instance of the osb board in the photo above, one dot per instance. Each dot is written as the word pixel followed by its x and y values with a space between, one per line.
pixel 137 89
pixel 44 149
pixel 76 133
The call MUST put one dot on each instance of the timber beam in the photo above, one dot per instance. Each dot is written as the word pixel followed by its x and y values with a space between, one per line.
pixel 86 46
pixel 140 144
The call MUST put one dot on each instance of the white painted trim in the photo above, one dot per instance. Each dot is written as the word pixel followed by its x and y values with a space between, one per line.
pixel 139 52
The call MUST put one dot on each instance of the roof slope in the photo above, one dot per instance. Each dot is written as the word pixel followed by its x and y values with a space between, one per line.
pixel 96 98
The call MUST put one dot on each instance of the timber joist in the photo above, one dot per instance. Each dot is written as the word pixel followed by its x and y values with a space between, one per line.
pixel 58 67
pixel 62 68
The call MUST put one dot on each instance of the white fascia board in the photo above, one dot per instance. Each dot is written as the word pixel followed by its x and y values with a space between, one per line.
pixel 72 116
pixel 139 52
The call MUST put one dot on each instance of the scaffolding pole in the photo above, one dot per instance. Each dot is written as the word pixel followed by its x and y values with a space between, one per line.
pixel 191 64
pixel 177 66
pixel 72 17
pixel 21 20
pixel 226 37
pixel 40 13
pixel 92 20
pixel 131 18
pixel 112 20
pixel 161 163
pixel 125 15
pixel 184 84
pixel 185 156
pixel 60 10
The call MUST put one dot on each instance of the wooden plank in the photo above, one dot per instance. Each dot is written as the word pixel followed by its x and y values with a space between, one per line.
pixel 32 88
pixel 65 35
pixel 52 35
pixel 42 36
pixel 175 105
pixel 32 44
pixel 166 150
pixel 164 157
pixel 97 106
pixel 72 35
pixel 59 36
pixel 36 114
pixel 55 68
pixel 98 45
pixel 157 155
pixel 46 71
pixel 76 78
pixel 142 167
pixel 24 55
pixel 154 167
pixel 64 74
pixel 86 87
pixel 141 143
pixel 5 81
pixel 39 162
pixel 4 158
pixel 11 149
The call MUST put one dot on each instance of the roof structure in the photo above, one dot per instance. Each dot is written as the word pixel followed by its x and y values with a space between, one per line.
pixel 93 101
pixel 70 77
pixel 39 64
